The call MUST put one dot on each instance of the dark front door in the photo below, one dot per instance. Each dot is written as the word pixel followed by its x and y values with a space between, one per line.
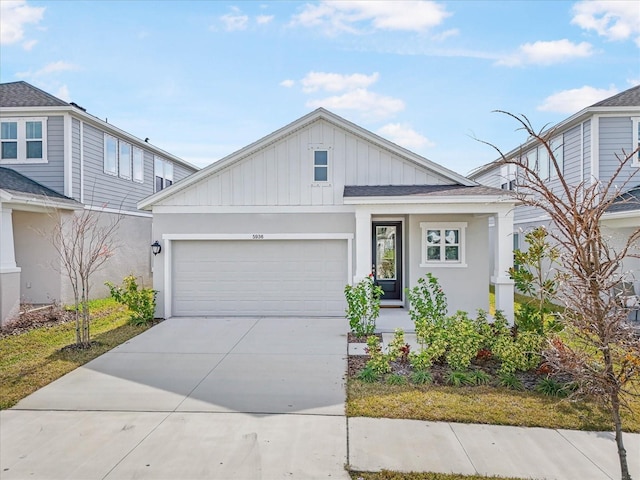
pixel 387 258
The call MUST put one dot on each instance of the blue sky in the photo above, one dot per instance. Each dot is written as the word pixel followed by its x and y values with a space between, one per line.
pixel 202 79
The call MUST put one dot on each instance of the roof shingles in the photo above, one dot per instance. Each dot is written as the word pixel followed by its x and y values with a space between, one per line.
pixel 22 94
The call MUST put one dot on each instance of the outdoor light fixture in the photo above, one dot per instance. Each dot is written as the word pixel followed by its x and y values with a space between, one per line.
pixel 156 248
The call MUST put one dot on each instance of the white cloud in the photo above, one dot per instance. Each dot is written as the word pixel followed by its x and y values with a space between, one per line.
pixel 63 93
pixel 264 19
pixel 54 67
pixel 612 19
pixel 349 16
pixel 441 37
pixel 405 136
pixel 574 100
pixel 234 21
pixel 335 82
pixel 288 83
pixel 14 15
pixel 547 53
pixel 29 44
pixel 361 100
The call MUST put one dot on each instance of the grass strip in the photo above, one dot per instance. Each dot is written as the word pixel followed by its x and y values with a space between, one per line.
pixel 388 475
pixel 487 405
pixel 33 359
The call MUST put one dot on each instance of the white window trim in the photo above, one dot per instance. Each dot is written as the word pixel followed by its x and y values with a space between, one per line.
pixel 22 141
pixel 164 172
pixel 133 156
pixel 126 175
pixel 104 158
pixel 321 147
pixel 635 141
pixel 461 227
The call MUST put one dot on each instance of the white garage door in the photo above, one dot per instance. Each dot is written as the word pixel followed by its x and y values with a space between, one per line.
pixel 265 278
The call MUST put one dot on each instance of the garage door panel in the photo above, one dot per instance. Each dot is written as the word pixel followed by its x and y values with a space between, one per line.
pixel 274 277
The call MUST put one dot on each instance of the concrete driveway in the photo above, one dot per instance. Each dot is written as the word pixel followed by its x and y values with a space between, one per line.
pixel 192 398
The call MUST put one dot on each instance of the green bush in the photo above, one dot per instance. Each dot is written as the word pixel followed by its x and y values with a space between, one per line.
pixel 140 301
pixel 428 306
pixel 464 341
pixel 363 306
pixel 379 362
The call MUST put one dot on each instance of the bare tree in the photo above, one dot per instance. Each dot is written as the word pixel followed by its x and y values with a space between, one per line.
pixel 84 245
pixel 597 347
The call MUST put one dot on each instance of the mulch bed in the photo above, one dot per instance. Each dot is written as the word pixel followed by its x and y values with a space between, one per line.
pixel 38 318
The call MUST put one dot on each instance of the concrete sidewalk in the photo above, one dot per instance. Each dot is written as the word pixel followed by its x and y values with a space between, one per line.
pixel 411 445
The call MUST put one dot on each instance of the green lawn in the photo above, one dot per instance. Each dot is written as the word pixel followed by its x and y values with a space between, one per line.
pixel 34 359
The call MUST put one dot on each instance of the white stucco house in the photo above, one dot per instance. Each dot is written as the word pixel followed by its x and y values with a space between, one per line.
pixel 282 225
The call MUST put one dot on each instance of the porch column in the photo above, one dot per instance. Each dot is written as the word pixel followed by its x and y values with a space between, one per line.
pixel 9 271
pixel 363 244
pixel 503 260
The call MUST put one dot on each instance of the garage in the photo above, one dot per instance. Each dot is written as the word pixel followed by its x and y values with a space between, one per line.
pixel 278 277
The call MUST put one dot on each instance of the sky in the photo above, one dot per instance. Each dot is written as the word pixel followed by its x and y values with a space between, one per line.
pixel 202 79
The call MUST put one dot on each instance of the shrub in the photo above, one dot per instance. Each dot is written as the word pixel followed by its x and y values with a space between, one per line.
pixel 509 380
pixel 478 377
pixel 363 306
pixel 457 378
pixel 368 375
pixel 421 377
pixel 379 362
pixel 398 349
pixel 396 379
pixel 463 340
pixel 428 306
pixel 140 301
pixel 552 388
pixel 520 352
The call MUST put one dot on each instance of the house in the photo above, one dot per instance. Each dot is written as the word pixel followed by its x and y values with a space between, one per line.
pixel 585 146
pixel 57 159
pixel 282 225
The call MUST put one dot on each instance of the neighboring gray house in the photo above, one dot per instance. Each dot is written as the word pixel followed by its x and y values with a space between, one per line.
pixel 586 145
pixel 69 160
pixel 282 225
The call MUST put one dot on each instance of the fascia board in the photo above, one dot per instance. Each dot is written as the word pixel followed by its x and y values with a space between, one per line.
pixel 429 200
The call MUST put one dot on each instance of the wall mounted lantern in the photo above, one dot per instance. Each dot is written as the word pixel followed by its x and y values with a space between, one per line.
pixel 156 248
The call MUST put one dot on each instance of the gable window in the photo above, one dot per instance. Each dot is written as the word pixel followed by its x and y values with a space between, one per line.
pixel 320 166
pixel 163 171
pixel 635 144
pixel 23 140
pixel 443 244
pixel 138 165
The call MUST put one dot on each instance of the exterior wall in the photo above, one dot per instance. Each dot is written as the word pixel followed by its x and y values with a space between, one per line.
pixel 9 296
pixel 466 288
pixel 36 256
pixel 282 173
pixel 50 174
pixel 615 136
pixel 76 159
pixel 179 171
pixel 110 191
pixel 240 223
pixel 132 256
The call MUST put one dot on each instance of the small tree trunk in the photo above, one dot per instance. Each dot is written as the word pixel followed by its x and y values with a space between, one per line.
pixel 77 313
pixel 622 452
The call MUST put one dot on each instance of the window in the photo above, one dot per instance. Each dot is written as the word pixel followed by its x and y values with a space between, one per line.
pixel 138 165
pixel 163 173
pixel 504 186
pixel 23 140
pixel 635 144
pixel 110 155
pixel 513 185
pixel 320 166
pixel 443 244
pixel 543 163
pixel 124 160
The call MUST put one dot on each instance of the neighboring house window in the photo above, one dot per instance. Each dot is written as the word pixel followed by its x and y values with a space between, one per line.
pixel 543 163
pixel 512 185
pixel 636 141
pixel 163 173
pixel 138 165
pixel 23 140
pixel 124 160
pixel 320 166
pixel 443 244
pixel 110 155
pixel 504 186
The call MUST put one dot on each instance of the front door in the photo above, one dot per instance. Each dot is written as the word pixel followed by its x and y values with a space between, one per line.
pixel 387 258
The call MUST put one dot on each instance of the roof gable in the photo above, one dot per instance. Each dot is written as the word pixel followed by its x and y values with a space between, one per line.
pixel 350 143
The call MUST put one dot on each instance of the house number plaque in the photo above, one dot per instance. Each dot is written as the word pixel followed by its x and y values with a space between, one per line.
pixel 257 236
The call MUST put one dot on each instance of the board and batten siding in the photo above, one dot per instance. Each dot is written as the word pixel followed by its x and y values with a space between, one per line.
pixel 50 174
pixel 282 173
pixel 616 136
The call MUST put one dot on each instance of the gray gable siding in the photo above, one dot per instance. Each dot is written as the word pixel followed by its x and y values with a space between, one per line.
pixel 586 154
pixel 75 158
pixel 50 174
pixel 179 172
pixel 109 191
pixel 615 136
pixel 573 155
